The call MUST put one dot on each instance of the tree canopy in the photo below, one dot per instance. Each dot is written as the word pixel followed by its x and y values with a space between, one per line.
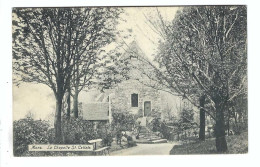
pixel 203 52
pixel 58 47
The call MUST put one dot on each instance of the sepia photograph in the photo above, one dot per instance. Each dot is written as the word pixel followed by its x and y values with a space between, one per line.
pixel 124 81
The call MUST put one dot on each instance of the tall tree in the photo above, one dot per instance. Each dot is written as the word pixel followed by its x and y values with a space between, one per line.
pixel 68 103
pixel 40 51
pixel 207 45
pixel 48 44
pixel 202 118
pixel 96 29
pixel 203 53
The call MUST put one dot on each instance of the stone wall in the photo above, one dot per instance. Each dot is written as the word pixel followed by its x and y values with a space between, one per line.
pixel 121 100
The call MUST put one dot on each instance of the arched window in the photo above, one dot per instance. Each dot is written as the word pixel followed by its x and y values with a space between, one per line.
pixel 134 100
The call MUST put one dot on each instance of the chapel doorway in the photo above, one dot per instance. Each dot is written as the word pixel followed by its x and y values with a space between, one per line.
pixel 147 108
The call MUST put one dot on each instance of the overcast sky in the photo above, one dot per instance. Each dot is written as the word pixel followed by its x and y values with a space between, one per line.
pixel 39 99
pixel 136 19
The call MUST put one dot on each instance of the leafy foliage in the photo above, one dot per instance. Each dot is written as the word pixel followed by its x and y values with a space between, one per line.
pixel 104 131
pixel 184 124
pixel 237 116
pixel 203 52
pixel 77 131
pixel 28 131
pixel 59 47
pixel 122 122
pixel 186 120
pixel 155 125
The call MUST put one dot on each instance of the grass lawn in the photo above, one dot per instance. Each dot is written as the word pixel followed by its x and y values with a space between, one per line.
pixel 237 144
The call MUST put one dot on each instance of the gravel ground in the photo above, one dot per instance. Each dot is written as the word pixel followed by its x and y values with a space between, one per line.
pixel 146 149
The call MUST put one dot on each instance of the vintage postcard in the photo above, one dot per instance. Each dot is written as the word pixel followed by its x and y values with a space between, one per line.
pixel 92 81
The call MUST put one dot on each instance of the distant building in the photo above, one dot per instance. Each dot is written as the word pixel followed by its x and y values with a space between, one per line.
pixel 133 97
pixel 129 96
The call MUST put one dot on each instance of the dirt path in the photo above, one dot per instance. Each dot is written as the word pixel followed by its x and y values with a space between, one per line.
pixel 146 149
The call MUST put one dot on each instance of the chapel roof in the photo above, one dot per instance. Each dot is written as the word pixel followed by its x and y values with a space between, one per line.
pixel 95 111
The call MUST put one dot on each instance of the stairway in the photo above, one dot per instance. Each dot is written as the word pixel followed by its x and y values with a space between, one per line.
pixel 143 121
pixel 146 136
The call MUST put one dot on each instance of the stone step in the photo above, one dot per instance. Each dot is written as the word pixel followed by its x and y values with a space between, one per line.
pixel 160 141
pixel 155 138
pixel 143 121
pixel 144 141
pixel 147 136
pixel 153 135
pixel 150 137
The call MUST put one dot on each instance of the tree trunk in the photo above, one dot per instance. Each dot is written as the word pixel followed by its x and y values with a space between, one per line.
pixel 228 122
pixel 221 143
pixel 75 105
pixel 202 118
pixel 57 121
pixel 68 103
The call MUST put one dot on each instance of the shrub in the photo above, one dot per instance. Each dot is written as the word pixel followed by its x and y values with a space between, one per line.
pixel 28 131
pixel 137 129
pixel 51 135
pixel 165 131
pixel 130 142
pixel 107 139
pixel 104 131
pixel 77 131
pixel 155 113
pixel 122 122
pixel 238 128
pixel 155 125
